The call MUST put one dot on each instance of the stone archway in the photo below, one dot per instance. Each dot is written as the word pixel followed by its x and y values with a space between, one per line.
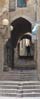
pixel 20 27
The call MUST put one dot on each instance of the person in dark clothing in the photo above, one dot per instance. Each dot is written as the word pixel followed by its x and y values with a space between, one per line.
pixel 28 47
pixel 28 37
pixel 28 51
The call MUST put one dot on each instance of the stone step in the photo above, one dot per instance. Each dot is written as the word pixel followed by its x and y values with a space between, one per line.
pixel 20 88
pixel 19 75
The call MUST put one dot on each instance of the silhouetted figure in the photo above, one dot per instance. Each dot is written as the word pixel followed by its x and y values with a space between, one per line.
pixel 28 51
pixel 28 47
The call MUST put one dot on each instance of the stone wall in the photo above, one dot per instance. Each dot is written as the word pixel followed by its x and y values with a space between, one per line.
pixel 38 52
pixel 1 53
pixel 29 14
pixel 4 36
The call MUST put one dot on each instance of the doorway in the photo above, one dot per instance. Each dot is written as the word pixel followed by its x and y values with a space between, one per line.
pixel 19 50
pixel 22 56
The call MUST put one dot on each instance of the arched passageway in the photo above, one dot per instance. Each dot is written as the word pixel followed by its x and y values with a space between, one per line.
pixel 20 27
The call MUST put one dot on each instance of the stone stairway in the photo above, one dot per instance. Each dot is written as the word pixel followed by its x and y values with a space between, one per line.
pixel 20 88
pixel 19 75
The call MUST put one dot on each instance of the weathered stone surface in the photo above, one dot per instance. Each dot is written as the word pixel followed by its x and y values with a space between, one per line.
pixel 29 14
pixel 38 52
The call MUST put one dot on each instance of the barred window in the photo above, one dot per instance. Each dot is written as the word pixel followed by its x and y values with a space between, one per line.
pixel 21 3
pixel 12 5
